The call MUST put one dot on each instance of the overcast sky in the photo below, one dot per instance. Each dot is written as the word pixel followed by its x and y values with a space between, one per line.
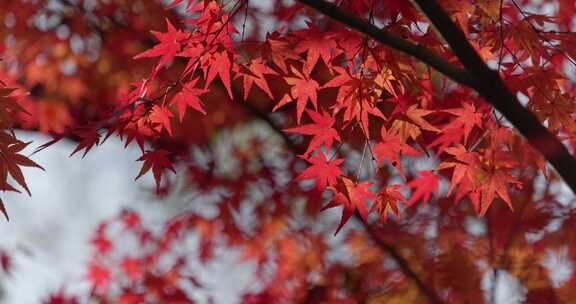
pixel 49 234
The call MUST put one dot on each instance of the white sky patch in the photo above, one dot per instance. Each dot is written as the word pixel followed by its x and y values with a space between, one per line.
pixel 475 226
pixel 48 236
pixel 508 289
pixel 559 266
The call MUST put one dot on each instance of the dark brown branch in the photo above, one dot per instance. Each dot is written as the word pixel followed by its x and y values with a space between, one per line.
pixel 417 51
pixel 494 90
pixel 476 75
pixel 295 148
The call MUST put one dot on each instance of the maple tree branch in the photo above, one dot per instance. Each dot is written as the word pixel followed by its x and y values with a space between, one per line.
pixel 494 90
pixel 415 50
pixel 476 75
pixel 297 149
pixel 401 262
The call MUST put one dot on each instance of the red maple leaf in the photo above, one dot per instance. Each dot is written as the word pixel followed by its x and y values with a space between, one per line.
pixel 496 183
pixel 391 148
pixel 387 200
pixel 169 46
pixel 359 194
pixel 318 44
pixel 467 118
pixel 131 297
pixel 354 99
pixel 131 219
pixel 322 130
pixel 255 75
pixel 221 65
pixel 61 298
pixel 416 115
pixel 100 277
pixel 157 161
pixel 482 183
pixel 10 162
pixel 424 186
pixel 303 88
pixel 101 241
pixel 459 128
pixel 160 118
pixel 324 171
pixel 188 97
pixel 465 169
pixel 280 51
pixel 5 262
pixel 90 138
pixel 357 198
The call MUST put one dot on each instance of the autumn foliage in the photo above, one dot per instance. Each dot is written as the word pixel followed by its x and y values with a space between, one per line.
pixel 441 131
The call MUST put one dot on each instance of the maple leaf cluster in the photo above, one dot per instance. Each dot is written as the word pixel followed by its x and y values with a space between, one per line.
pixel 145 277
pixel 347 91
pixel 12 160
pixel 371 97
pixel 378 100
pixel 283 239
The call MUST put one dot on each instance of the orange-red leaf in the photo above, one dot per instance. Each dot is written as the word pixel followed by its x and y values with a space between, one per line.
pixel 322 130
pixel 220 64
pixel 423 187
pixel 160 117
pixel 387 200
pixel 302 89
pixel 169 46
pixel 324 171
pixel 357 197
pixel 189 97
